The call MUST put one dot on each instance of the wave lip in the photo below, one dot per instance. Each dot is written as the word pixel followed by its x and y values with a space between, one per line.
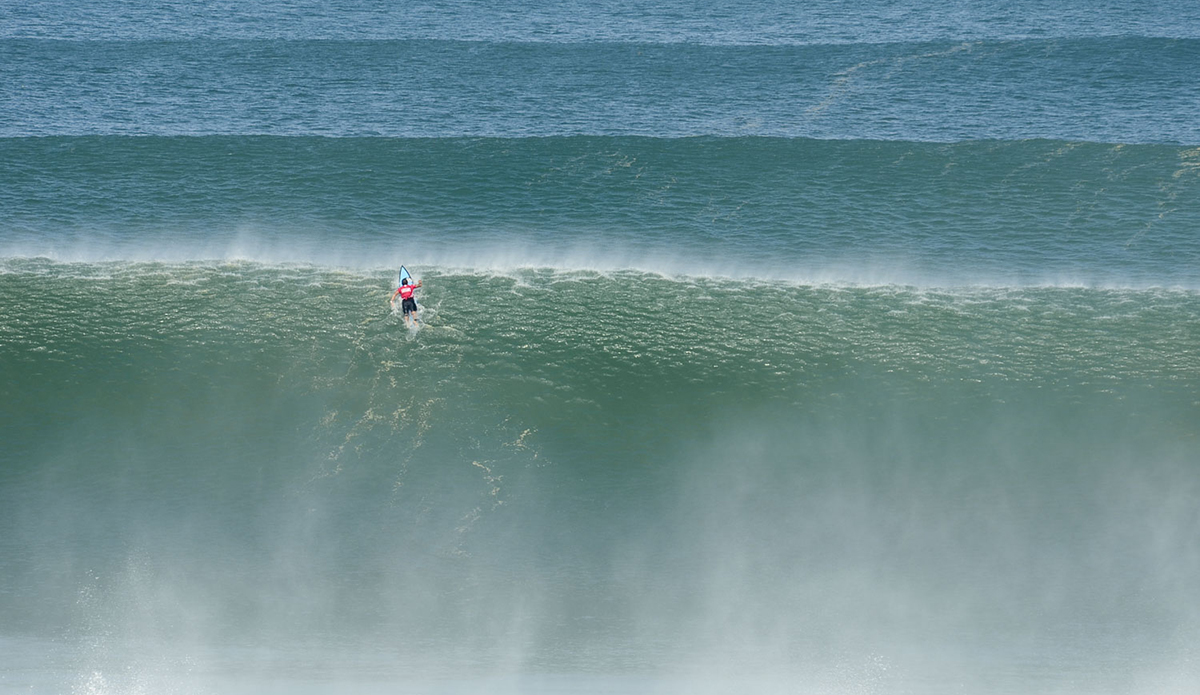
pixel 1038 212
pixel 571 267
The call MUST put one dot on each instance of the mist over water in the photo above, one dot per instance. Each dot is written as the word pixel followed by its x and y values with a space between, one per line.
pixel 826 488
pixel 763 349
pixel 809 211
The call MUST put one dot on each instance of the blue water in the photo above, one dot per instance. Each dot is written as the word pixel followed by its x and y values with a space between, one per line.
pixel 765 348
pixel 1126 89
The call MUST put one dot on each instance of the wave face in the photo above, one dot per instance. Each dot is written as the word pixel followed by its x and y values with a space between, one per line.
pixel 572 471
pixel 810 211
pixel 765 348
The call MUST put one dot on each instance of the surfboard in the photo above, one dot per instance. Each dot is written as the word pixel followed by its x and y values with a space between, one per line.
pixel 412 329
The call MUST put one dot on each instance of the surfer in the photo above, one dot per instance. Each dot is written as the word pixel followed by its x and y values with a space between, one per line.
pixel 408 303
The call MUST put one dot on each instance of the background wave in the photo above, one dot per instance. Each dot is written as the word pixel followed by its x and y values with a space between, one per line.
pixel 1115 89
pixel 810 211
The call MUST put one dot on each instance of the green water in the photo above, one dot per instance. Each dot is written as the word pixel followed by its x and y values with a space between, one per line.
pixel 632 470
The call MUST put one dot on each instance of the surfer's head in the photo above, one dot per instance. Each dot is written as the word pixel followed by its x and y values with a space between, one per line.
pixel 404 281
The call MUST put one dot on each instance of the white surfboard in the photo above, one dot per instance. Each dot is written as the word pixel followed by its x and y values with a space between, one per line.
pixel 416 323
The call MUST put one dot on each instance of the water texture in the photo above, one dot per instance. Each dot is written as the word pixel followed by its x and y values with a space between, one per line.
pixel 769 348
pixel 1126 89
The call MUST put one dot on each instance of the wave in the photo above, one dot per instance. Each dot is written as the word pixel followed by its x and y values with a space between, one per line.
pixel 810 211
pixel 91 259
pixel 579 472
pixel 936 91
pixel 944 325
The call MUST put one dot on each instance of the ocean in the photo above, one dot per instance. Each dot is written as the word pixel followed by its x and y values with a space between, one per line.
pixel 821 348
